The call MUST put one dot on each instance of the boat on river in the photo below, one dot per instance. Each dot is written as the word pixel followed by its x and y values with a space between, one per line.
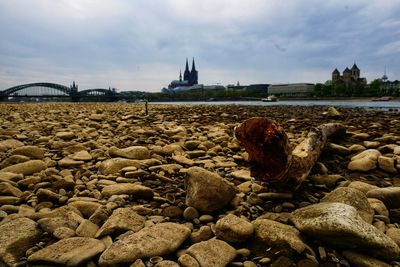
pixel 270 98
pixel 383 98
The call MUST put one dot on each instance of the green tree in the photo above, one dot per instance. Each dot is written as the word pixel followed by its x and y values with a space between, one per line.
pixel 374 87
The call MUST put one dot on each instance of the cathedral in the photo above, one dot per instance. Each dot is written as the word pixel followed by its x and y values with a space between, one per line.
pixel 350 77
pixel 190 77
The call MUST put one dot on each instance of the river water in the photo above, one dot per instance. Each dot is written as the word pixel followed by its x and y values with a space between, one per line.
pixel 378 105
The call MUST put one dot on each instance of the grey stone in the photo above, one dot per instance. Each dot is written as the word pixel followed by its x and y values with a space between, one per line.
pixel 352 197
pixel 232 228
pixel 272 233
pixel 212 252
pixel 16 237
pixel 72 251
pixel 341 225
pixel 160 239
pixel 207 191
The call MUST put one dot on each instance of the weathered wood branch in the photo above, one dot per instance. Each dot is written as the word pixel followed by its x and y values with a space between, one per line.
pixel 271 156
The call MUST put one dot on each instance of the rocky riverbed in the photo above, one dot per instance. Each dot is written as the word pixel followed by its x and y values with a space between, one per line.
pixel 107 185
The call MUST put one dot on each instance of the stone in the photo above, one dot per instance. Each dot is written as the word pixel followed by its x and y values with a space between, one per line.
pixel 378 206
pixel 12 160
pixel 166 263
pixel 203 234
pixel 182 159
pixel 207 191
pixel 16 237
pixel 232 228
pixel 87 208
pixel 352 197
pixel 114 165
pixel 327 179
pixel 120 221
pixel 361 260
pixel 272 233
pixel 186 260
pixel 6 189
pixel 82 155
pixel 100 215
pixel 65 135
pixel 394 233
pixel 360 136
pixel 172 212
pixel 396 150
pixel 362 164
pixel 340 225
pixel 372 154
pixel 87 229
pixel 67 162
pixel 191 144
pixel 356 148
pixel 72 251
pixel 371 144
pixel 160 239
pixel 387 164
pixel 132 152
pixel 338 149
pixel 9 200
pixel 63 232
pixel 241 175
pixel 32 152
pixel 332 113
pixel 10 176
pixel 212 252
pixel 10 144
pixel 362 186
pixel 136 190
pixel 60 218
pixel 388 195
pixel 190 214
pixel 26 168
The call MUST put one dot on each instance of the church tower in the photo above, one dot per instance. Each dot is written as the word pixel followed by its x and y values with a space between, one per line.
pixel 355 72
pixel 186 74
pixel 193 74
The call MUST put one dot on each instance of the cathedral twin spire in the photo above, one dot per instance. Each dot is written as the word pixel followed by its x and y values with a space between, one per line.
pixel 192 75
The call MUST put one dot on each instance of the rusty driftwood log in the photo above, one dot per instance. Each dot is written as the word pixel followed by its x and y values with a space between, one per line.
pixel 271 156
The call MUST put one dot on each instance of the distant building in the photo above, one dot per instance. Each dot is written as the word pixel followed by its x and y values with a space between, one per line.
pixel 190 78
pixel 350 77
pixel 389 87
pixel 291 89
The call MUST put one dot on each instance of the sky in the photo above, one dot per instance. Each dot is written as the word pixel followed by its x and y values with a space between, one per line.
pixel 142 45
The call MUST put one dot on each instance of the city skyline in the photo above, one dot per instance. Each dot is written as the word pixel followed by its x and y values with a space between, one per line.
pixel 141 45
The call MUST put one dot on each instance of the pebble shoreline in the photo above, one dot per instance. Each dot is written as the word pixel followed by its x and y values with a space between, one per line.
pixel 105 185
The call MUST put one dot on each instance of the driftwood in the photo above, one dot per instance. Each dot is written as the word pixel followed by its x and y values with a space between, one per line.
pixel 270 153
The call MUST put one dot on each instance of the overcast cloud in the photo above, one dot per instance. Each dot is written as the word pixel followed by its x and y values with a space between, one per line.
pixel 142 44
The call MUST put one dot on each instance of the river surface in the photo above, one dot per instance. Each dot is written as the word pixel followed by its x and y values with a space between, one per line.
pixel 385 105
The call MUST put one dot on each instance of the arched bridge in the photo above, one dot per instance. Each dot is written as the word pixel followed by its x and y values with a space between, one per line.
pixel 53 90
